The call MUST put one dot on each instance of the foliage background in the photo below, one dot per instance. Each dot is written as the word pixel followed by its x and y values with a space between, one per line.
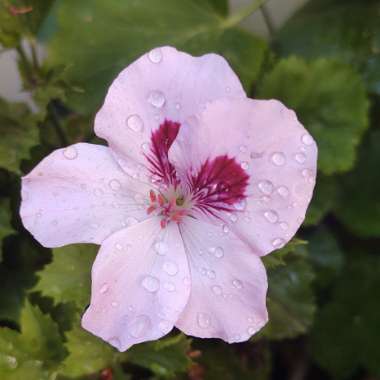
pixel 323 287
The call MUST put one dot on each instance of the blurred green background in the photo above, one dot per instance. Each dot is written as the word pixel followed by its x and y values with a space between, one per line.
pixel 324 287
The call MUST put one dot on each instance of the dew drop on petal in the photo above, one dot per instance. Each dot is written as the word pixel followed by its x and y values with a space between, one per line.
pixel 251 330
pixel 145 147
pixel 278 159
pixel 283 191
pixel 135 123
pixel 271 216
pixel 244 165
pixel 243 148
pixel 104 289
pixel 118 246
pixel 114 184
pixel 177 106
pixel 219 252
pixel 300 158
pixel 211 274
pixel 130 221
pixel 233 218
pixel 70 153
pixel 114 304
pixel 217 290
pixel 278 242
pixel 266 187
pixel 240 206
pixel 161 248
pixel 307 139
pixel 284 225
pixel 155 55
pixel 140 326
pixel 169 286
pixel 156 99
pixel 237 284
pixel 170 268
pixel 225 228
pixel 165 326
pixel 151 284
pixel 203 320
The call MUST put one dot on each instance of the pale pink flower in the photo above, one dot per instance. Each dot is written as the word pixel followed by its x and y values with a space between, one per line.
pixel 197 183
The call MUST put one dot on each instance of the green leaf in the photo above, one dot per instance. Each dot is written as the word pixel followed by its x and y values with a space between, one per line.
pixel 165 358
pixel 331 102
pixel 19 133
pixel 325 255
pixel 97 57
pixel 346 333
pixel 290 297
pixel 359 203
pixel 5 222
pixel 346 30
pixel 35 352
pixel 87 353
pixel 323 201
pixel 222 361
pixel 68 277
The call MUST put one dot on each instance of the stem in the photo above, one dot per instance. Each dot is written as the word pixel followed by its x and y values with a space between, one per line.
pixel 268 22
pixel 57 125
pixel 33 49
pixel 243 13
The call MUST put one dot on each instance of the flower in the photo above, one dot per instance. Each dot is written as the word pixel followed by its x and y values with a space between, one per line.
pixel 197 183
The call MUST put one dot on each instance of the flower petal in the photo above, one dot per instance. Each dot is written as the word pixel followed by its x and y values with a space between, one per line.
pixel 229 285
pixel 276 152
pixel 140 285
pixel 162 84
pixel 79 194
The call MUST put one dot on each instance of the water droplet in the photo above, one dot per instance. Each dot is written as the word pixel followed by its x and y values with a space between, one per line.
pixel 307 139
pixel 177 106
pixel 307 173
pixel 243 148
pixel 219 252
pixel 161 248
pixel 240 205
pixel 155 55
pixel 170 268
pixel 300 158
pixel 169 286
pixel 145 147
pixel 284 225
pixel 225 228
pixel 140 326
pixel 278 159
pixel 203 320
pixel 98 192
pixel 211 274
pixel 135 123
pixel 118 246
pixel 114 184
pixel 164 326
pixel 114 304
pixel 228 89
pixel 151 284
pixel 217 290
pixel 130 221
pixel 244 165
pixel 11 361
pixel 237 284
pixel 251 330
pixel 233 218
pixel 115 342
pixel 266 187
pixel 104 289
pixel 271 216
pixel 283 191
pixel 70 153
pixel 278 243
pixel 156 99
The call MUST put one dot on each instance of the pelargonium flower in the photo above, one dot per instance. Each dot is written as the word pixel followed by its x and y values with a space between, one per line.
pixel 196 184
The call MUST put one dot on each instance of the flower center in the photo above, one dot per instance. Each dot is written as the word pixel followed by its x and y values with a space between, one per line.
pixel 216 186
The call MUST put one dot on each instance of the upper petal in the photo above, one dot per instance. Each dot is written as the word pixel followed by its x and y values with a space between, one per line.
pixel 273 148
pixel 162 84
pixel 79 194
pixel 140 285
pixel 228 285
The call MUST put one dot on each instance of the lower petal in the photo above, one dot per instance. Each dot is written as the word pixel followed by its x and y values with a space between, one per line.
pixel 140 285
pixel 229 285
